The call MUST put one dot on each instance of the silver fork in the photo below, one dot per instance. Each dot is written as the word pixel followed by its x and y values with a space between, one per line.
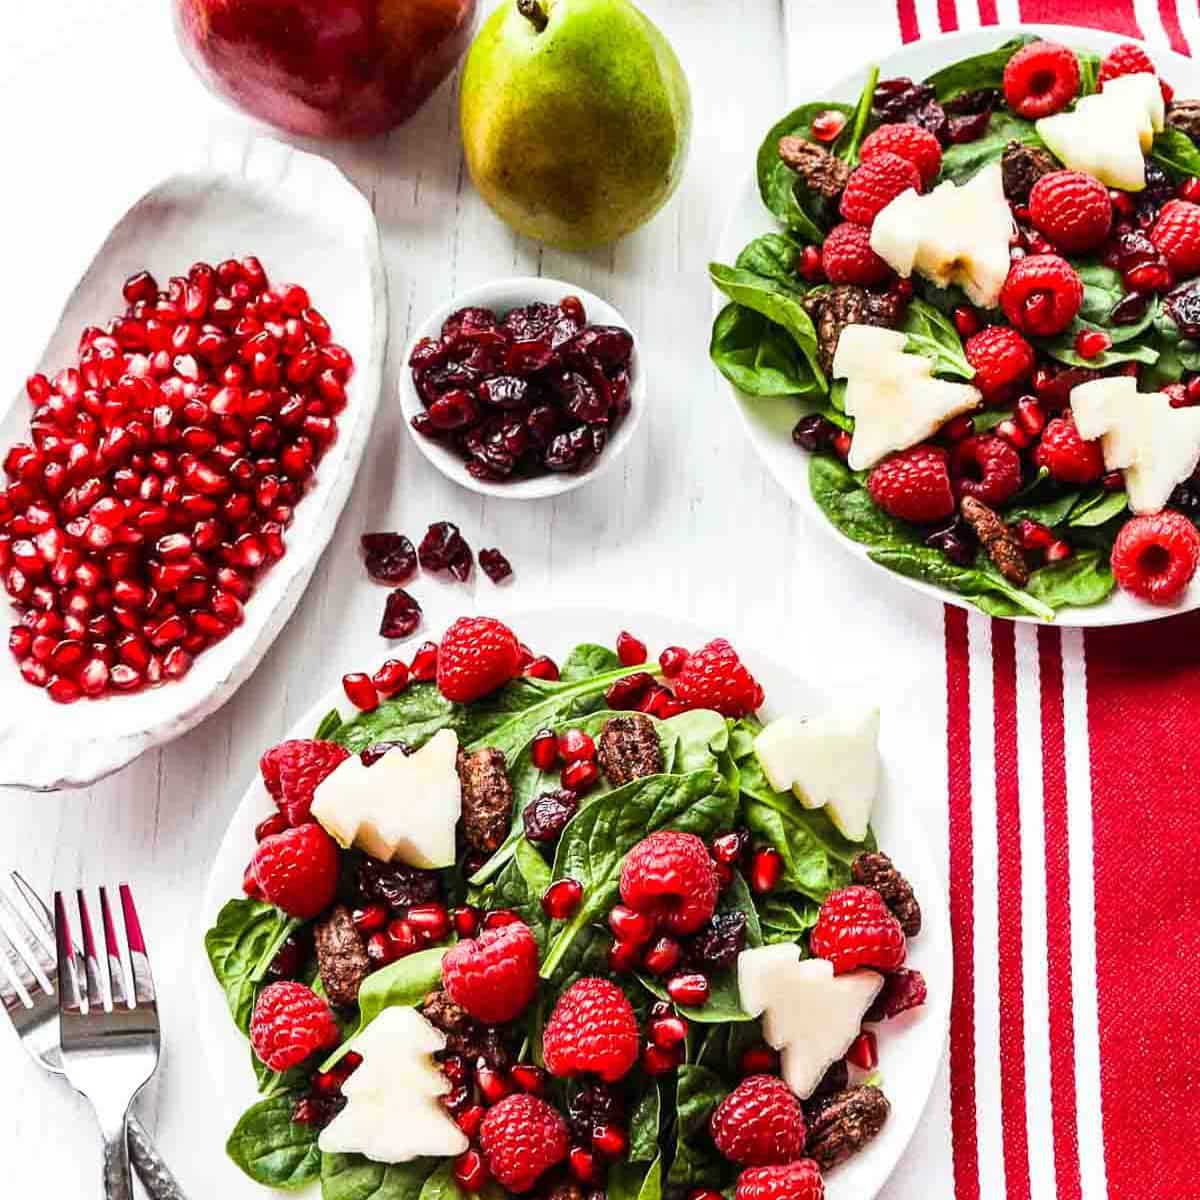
pixel 27 946
pixel 109 1034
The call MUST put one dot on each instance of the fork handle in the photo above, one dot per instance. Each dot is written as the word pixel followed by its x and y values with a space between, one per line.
pixel 118 1185
pixel 155 1175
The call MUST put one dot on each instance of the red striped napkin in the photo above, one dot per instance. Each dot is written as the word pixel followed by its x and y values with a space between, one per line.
pixel 1072 825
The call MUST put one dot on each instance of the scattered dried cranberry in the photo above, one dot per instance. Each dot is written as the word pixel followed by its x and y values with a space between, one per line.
pixel 902 100
pixel 371 754
pixel 970 114
pixel 443 548
pixel 390 557
pixel 546 816
pixel 495 566
pixel 401 615
pixel 718 944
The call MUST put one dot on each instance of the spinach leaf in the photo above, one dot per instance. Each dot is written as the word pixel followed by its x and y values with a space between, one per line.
pixel 353 1177
pixel 1175 152
pixel 962 161
pixel 632 1181
pixel 331 722
pixel 240 946
pixel 930 333
pixel 723 1004
pixel 519 887
pixel 697 1162
pixel 979 71
pixel 773 256
pixel 273 1150
pixel 414 717
pixel 787 919
pixel 1049 506
pixel 586 661
pixel 850 140
pixel 1081 580
pixel 722 1046
pixel 777 304
pixel 700 736
pixel 757 356
pixel 989 418
pixel 1097 508
pixel 849 508
pixel 596 840
pixel 1176 353
pixel 442 1185
pixel 644 1125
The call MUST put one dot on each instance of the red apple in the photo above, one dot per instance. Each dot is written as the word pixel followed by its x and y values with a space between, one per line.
pixel 325 68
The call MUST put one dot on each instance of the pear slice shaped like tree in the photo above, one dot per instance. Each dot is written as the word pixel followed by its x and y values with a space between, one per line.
pixel 1108 135
pixel 1157 446
pixel 809 1015
pixel 830 761
pixel 403 807
pixel 951 235
pixel 893 397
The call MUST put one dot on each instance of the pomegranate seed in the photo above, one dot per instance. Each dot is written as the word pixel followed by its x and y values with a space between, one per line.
pixel 630 650
pixel 360 691
pixel 270 826
pixel 1090 343
pixel 690 989
pixel 94 677
pixel 499 917
pixel 369 919
pixel 960 428
pixel 629 691
pixel 966 321
pixel 629 925
pixel 759 1060
pixel 841 443
pixel 766 867
pixel 543 750
pixel 391 678
pixel 1033 535
pixel 542 668
pixel 827 125
pixel 250 882
pixel 668 1031
pixel 728 847
pixel 1030 415
pixel 471 1119
pixel 402 939
pixel 704 1194
pixel 623 956
pixel 466 921
pixel 609 1141
pixel 424 664
pixel 125 677
pixel 562 898
pixel 379 950
pixel 470 1171
pixel 576 746
pixel 583 1166
pixel 671 660
pixel 809 266
pixel 1057 551
pixel 580 777
pixel 431 920
pixel 1012 433
pixel 658 1060
pixel 864 1052
pixel 529 1078
pixel 63 690
pixel 662 956
pixel 1113 481
pixel 493 1085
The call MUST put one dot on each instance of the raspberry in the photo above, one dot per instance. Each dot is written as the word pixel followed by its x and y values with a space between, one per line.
pixel 713 677
pixel 495 975
pixel 799 1180
pixel 1002 358
pixel 1072 209
pixel 477 656
pixel 290 1023
pixel 292 770
pixel 592 1029
pixel 1155 556
pixel 522 1137
pixel 910 142
pixel 1042 294
pixel 855 928
pixel 1040 79
pixel 1176 234
pixel 988 468
pixel 913 485
pixel 1130 59
pixel 297 870
pixel 847 257
pixel 875 184
pixel 670 876
pixel 759 1123
pixel 902 990
pixel 1066 455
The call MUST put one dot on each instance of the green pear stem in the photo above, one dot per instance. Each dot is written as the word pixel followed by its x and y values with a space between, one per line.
pixel 533 12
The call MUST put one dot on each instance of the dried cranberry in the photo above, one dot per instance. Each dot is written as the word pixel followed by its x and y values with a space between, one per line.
pixel 955 541
pixel 532 322
pixel 543 422
pixel 396 885
pixel 376 750
pixel 390 557
pixel 1183 306
pixel 504 391
pixel 902 989
pixel 1130 250
pixel 901 100
pixel 495 566
pixel 528 357
pixel 455 409
pixel 1130 309
pixel 289 958
pixel 467 321
pixel 584 397
pixel 546 816
pixel 444 549
pixel 719 943
pixel 609 345
pixel 813 432
pixel 574 450
pixel 1150 200
pixel 590 1105
pixel 970 114
pixel 401 615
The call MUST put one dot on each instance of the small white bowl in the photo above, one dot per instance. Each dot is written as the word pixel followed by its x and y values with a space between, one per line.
pixel 501 296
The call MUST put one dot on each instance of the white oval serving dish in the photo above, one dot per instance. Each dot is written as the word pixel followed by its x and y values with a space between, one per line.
pixel 308 224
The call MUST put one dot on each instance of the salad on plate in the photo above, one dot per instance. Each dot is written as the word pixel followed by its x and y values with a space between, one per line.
pixel 596 931
pixel 984 295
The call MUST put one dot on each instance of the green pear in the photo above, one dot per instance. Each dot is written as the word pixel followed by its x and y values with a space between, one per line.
pixel 575 119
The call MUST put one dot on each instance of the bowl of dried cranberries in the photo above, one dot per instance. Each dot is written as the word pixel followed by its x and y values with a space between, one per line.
pixel 523 388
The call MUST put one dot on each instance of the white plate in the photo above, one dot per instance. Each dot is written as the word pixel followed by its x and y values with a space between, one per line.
pixel 910 1047
pixel 309 225
pixel 502 296
pixel 768 421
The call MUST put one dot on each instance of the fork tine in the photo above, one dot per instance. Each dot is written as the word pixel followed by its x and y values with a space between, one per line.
pixel 31 944
pixel 143 980
pixel 91 967
pixel 19 956
pixel 36 905
pixel 68 984
pixel 10 997
pixel 116 973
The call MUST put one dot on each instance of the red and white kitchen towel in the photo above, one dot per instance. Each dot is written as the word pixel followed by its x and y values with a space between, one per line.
pixel 1072 835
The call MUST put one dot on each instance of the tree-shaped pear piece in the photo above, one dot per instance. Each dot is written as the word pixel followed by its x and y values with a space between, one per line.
pixel 893 397
pixel 393 1113
pixel 404 808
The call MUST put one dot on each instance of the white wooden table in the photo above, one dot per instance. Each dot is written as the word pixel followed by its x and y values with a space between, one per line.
pixel 91 95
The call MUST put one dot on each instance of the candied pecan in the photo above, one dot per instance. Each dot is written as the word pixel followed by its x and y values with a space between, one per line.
pixel 844 1124
pixel 875 870
pixel 464 1035
pixel 1021 167
pixel 397 885
pixel 833 1081
pixel 486 798
pixel 341 957
pixel 834 308
pixel 629 749
pixel 824 174
pixel 1185 116
pixel 998 540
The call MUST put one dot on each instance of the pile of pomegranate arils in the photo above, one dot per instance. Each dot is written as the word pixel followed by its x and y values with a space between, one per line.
pixel 160 475
pixel 539 390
